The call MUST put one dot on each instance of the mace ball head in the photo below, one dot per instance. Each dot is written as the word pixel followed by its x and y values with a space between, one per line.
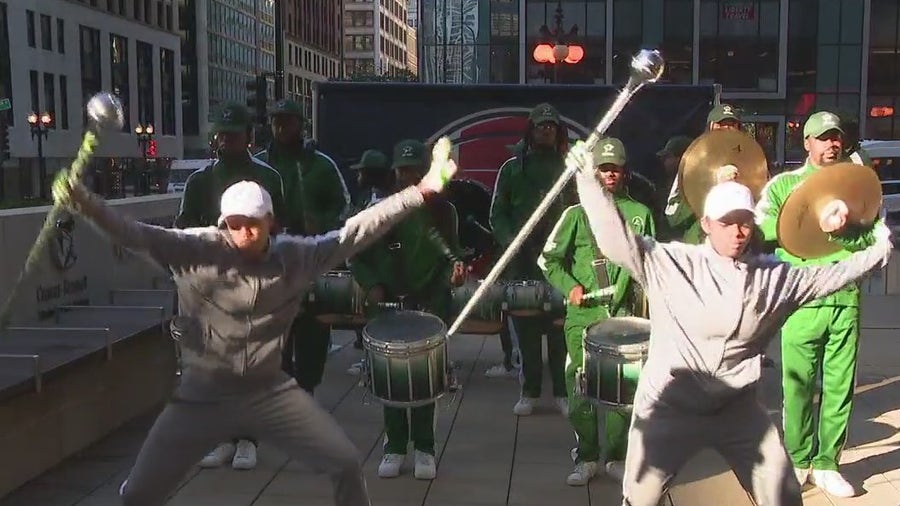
pixel 648 65
pixel 106 111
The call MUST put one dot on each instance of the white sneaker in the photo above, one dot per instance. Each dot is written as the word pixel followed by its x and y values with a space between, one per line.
pixel 426 469
pixel 582 474
pixel 500 371
pixel 524 407
pixel 390 465
pixel 802 475
pixel 563 404
pixel 219 456
pixel 355 369
pixel 615 469
pixel 832 483
pixel 244 456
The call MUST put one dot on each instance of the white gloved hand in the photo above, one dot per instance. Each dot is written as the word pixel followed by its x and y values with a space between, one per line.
pixel 442 167
pixel 833 216
pixel 581 158
pixel 726 173
pixel 881 231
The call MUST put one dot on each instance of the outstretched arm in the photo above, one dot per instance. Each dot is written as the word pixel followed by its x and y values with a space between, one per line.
pixel 809 283
pixel 168 247
pixel 613 235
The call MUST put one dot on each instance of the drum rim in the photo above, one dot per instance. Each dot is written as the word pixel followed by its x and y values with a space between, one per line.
pixel 628 351
pixel 426 344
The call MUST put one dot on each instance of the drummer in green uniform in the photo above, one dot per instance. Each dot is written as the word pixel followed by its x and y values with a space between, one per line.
pixel 596 291
pixel 415 264
pixel 200 208
pixel 522 183
pixel 682 223
pixel 317 201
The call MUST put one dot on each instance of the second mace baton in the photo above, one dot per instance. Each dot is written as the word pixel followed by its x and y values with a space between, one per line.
pixel 105 112
pixel 646 67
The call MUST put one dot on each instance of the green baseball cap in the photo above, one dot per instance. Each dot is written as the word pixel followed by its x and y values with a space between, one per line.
pixel 409 153
pixel 822 122
pixel 610 150
pixel 723 112
pixel 286 107
pixel 371 159
pixel 676 146
pixel 543 113
pixel 231 117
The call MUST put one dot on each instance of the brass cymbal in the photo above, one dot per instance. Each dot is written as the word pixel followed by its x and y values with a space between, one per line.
pixel 714 149
pixel 798 227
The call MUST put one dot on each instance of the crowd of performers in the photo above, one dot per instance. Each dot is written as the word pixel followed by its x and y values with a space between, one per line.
pixel 254 232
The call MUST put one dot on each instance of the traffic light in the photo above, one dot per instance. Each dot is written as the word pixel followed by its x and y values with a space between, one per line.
pixel 258 99
pixel 4 141
pixel 151 149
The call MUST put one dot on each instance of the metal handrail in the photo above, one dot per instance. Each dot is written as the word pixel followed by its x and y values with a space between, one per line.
pixel 38 380
pixel 107 334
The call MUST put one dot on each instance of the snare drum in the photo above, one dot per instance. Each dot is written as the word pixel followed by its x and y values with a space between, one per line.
pixel 527 298
pixel 406 358
pixel 487 316
pixel 614 353
pixel 338 299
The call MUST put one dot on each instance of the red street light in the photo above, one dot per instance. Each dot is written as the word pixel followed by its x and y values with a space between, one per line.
pixel 559 53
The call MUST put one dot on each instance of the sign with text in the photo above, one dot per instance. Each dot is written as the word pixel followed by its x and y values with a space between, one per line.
pixel 739 11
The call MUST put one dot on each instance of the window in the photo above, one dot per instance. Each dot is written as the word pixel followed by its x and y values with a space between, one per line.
pixel 29 22
pixel 35 91
pixel 884 70
pixel 628 22
pixel 167 82
pixel 677 43
pixel 50 97
pixel 91 78
pixel 5 71
pixel 739 43
pixel 145 83
pixel 118 67
pixel 63 102
pixel 60 36
pixel 46 35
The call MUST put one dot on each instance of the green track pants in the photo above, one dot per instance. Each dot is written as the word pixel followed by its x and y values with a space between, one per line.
pixel 306 350
pixel 583 413
pixel 818 340
pixel 402 425
pixel 529 333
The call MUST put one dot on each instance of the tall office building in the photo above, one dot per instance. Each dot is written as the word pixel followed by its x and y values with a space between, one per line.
pixel 778 60
pixel 312 46
pixel 59 54
pixel 375 36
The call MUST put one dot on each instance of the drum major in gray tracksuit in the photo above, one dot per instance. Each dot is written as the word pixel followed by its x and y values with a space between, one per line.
pixel 711 317
pixel 240 312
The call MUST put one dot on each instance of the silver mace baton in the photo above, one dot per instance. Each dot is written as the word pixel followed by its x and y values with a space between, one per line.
pixel 646 67
pixel 105 112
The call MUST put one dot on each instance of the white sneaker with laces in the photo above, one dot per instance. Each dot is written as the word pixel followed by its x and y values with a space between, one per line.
pixel 524 407
pixel 500 371
pixel 244 456
pixel 390 465
pixel 615 469
pixel 802 475
pixel 833 483
pixel 219 456
pixel 582 474
pixel 426 468
pixel 563 404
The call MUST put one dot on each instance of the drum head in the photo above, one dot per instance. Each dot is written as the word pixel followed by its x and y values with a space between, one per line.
pixel 405 327
pixel 472 200
pixel 624 335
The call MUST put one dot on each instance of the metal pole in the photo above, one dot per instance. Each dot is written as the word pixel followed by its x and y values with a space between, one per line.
pixel 42 164
pixel 279 52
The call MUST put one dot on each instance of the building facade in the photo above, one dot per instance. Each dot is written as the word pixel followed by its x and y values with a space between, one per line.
pixel 375 36
pixel 778 60
pixel 63 52
pixel 312 30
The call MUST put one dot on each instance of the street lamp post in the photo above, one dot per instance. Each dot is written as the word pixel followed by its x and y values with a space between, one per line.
pixel 40 126
pixel 144 135
pixel 556 51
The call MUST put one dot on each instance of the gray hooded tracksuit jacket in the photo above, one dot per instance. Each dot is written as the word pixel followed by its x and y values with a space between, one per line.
pixel 711 317
pixel 239 313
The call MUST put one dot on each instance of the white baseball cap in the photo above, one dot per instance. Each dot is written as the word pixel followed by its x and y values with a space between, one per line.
pixel 245 198
pixel 725 198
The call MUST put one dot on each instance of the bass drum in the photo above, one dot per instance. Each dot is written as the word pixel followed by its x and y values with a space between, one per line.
pixel 472 200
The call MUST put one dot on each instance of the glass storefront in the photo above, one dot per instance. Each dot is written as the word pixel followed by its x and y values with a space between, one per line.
pixel 883 85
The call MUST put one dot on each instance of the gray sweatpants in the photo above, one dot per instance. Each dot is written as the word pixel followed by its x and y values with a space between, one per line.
pixel 663 438
pixel 187 430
